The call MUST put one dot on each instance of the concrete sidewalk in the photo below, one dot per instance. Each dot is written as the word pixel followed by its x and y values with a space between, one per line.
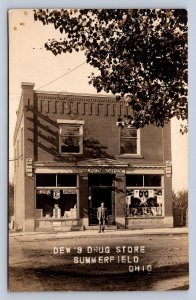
pixel 94 233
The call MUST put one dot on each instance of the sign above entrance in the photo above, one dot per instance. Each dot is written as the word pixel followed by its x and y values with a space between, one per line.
pixel 101 170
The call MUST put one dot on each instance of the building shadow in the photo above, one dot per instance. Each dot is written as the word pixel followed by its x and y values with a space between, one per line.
pixel 44 135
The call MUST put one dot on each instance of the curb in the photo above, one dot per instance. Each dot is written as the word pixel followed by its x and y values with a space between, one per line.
pixel 94 233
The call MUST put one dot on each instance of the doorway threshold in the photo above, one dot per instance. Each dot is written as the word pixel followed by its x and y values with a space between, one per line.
pixel 96 227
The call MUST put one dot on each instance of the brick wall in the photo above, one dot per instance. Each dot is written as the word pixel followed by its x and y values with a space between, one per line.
pixel 100 131
pixel 100 113
pixel 19 191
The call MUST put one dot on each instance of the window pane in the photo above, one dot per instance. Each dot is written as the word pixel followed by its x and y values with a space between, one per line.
pixel 70 149
pixel 66 180
pixel 70 130
pixel 152 180
pixel 70 144
pixel 134 180
pixel 45 203
pixel 46 180
pixel 128 132
pixel 69 201
pixel 144 202
pixel 66 205
pixel 128 146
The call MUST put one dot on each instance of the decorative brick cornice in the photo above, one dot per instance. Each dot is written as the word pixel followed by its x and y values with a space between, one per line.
pixel 80 104
pixel 78 98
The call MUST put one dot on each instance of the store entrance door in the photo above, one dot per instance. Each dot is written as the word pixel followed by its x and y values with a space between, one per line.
pixel 100 194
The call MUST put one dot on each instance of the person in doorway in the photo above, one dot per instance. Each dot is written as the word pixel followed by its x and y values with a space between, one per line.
pixel 102 216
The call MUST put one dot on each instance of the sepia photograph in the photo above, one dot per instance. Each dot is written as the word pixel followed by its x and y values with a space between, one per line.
pixel 98 150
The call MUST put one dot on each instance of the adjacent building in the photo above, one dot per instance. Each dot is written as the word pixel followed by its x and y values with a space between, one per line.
pixel 70 155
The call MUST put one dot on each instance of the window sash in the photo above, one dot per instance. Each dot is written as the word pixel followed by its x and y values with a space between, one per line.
pixel 76 132
pixel 128 132
pixel 129 141
pixel 130 144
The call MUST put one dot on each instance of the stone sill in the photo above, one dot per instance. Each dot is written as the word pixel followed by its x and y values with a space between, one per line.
pixel 57 219
pixel 138 156
pixel 144 218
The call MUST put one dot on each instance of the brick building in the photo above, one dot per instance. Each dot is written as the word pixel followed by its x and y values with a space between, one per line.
pixel 71 155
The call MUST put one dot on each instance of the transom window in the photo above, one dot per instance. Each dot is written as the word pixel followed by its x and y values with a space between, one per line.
pixel 129 141
pixel 56 180
pixel 143 180
pixel 71 137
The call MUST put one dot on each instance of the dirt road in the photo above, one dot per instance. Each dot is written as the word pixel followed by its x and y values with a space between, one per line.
pixel 99 263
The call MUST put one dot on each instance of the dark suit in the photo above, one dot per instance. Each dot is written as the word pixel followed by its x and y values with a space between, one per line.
pixel 102 216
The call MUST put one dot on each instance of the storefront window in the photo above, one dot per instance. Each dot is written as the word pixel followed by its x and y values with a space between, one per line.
pixel 56 196
pixel 144 196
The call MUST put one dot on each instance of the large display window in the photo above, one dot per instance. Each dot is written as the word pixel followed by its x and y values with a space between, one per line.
pixel 56 196
pixel 144 196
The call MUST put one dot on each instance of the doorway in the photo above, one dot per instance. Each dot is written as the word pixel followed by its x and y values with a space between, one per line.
pixel 101 189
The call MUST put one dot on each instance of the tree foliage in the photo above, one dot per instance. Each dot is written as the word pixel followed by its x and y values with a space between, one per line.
pixel 180 199
pixel 141 55
pixel 180 206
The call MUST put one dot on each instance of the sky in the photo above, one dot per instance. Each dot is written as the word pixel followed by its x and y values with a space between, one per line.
pixel 30 62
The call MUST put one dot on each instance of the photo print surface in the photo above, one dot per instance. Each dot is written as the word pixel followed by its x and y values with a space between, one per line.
pixel 98 197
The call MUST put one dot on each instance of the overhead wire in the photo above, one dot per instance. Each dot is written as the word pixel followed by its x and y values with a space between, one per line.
pixel 63 75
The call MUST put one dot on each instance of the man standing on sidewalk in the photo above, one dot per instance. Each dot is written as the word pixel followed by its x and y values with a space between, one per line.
pixel 101 216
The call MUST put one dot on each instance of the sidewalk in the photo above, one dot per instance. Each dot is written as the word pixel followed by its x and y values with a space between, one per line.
pixel 94 233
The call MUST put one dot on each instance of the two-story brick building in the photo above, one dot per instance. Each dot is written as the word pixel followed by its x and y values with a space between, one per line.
pixel 71 155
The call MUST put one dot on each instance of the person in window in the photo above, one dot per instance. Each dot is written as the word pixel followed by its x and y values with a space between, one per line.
pixel 102 216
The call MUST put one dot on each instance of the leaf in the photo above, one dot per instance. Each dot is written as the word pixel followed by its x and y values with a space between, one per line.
pixel 142 52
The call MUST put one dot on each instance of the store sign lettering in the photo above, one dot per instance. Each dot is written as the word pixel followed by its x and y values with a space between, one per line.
pixel 101 170
pixel 44 192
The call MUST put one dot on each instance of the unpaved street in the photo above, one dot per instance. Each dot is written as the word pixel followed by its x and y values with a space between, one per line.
pixel 103 262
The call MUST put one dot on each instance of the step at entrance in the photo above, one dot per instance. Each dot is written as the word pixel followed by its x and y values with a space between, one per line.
pixel 96 227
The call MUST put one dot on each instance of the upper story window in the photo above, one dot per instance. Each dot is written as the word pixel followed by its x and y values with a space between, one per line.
pixel 129 141
pixel 70 136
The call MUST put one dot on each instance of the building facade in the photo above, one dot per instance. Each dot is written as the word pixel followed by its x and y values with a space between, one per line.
pixel 70 155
